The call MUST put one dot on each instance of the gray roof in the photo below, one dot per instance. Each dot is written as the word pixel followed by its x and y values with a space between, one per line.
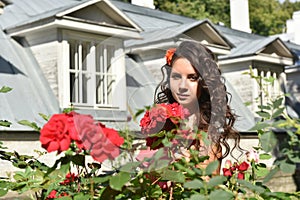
pixel 249 47
pixel 31 93
pixel 22 12
pixel 150 19
pixel 162 34
pixel 245 119
pixel 140 89
pixel 236 36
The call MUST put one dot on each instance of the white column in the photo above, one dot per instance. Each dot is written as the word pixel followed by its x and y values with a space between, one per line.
pixel 255 92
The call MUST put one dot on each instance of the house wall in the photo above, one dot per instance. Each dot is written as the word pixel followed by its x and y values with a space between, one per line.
pixel 242 83
pixel 29 146
pixel 45 49
pixel 293 84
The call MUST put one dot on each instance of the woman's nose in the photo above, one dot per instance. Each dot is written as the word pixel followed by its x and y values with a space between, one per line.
pixel 182 83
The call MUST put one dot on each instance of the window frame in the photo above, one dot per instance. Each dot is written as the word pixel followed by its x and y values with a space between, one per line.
pixel 118 93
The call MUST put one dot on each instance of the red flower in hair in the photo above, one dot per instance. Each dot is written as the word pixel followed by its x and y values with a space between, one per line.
pixel 169 55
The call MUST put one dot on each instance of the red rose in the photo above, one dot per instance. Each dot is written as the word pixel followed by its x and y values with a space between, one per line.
pixel 164 185
pixel 227 172
pixel 243 166
pixel 104 149
pixel 162 117
pixel 154 119
pixel 102 142
pixel 241 176
pixel 70 177
pixel 52 195
pixel 88 130
pixel 177 112
pixel 112 135
pixel 55 134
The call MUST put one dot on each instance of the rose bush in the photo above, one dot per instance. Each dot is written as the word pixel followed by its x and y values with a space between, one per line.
pixel 154 170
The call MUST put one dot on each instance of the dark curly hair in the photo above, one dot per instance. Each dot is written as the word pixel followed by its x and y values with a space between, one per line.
pixel 216 117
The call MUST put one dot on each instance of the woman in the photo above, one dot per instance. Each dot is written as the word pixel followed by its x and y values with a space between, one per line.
pixel 193 79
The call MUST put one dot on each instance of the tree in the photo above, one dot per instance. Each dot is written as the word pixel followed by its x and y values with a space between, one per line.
pixel 267 17
pixel 215 10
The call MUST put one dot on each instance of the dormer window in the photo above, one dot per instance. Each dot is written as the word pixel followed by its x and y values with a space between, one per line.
pixel 92 78
pixel 94 72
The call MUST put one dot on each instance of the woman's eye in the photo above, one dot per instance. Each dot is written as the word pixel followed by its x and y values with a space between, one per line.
pixel 193 77
pixel 175 76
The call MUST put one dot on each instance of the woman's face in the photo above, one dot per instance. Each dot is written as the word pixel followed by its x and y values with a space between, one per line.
pixel 184 83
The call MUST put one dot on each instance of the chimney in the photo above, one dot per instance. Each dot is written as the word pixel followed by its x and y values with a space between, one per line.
pixel 239 15
pixel 292 28
pixel 144 3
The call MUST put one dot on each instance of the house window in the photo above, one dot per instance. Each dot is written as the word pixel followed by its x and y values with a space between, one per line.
pixel 91 73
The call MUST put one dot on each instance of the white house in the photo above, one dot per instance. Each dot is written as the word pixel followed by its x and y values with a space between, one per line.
pixel 104 57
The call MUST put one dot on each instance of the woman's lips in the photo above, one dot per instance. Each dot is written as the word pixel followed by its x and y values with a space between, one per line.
pixel 182 96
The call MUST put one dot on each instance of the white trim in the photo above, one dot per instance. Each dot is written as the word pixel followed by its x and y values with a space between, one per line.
pixel 264 58
pixel 81 26
pixel 217 50
pixel 83 5
pixel 118 98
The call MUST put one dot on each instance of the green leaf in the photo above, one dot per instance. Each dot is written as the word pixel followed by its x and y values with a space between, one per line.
pixel 173 176
pixel 3 192
pixel 197 197
pixel 78 160
pixel 5 89
pixel 250 186
pixel 294 156
pixel 29 124
pixel 211 167
pixel 5 123
pixel 278 112
pixel 217 180
pixel 81 196
pixel 268 141
pixel 263 114
pixel 4 186
pixel 159 164
pixel 260 126
pixel 261 171
pixel 270 175
pixel 130 167
pixel 265 156
pixel 45 117
pixel 194 184
pixel 277 102
pixel 119 180
pixel 139 112
pixel 264 107
pixel 287 167
pixel 221 194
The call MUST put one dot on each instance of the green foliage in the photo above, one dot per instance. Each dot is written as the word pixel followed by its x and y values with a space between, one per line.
pixel 266 17
pixel 216 11
pixel 5 123
pixel 5 89
pixel 274 120
pixel 162 175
